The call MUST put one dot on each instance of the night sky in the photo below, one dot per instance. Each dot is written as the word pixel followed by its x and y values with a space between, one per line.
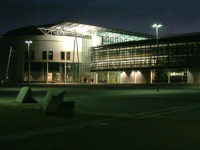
pixel 176 16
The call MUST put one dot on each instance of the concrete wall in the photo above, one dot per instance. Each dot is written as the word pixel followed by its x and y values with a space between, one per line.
pixel 142 76
pixel 194 75
pixel 56 44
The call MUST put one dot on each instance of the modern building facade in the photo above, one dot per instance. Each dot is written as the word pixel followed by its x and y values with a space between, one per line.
pixel 71 52
pixel 174 60
pixel 58 53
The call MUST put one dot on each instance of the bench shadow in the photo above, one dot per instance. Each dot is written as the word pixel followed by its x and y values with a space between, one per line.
pixel 66 110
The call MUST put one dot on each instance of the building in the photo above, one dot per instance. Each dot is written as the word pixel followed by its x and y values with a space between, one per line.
pixel 174 60
pixel 57 53
pixel 72 52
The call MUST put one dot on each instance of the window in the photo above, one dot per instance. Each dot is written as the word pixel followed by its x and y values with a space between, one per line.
pixel 44 55
pixel 68 55
pixel 62 55
pixel 50 55
pixel 32 55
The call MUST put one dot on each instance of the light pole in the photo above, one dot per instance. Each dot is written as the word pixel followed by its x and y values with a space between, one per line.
pixel 28 42
pixel 157 26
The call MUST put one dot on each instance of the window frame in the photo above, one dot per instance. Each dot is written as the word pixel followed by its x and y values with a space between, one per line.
pixel 68 56
pixel 44 55
pixel 62 55
pixel 50 55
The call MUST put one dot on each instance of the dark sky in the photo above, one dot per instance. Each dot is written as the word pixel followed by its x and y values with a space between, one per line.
pixel 176 16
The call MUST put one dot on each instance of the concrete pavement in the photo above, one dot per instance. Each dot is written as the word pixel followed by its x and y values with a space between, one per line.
pixel 105 117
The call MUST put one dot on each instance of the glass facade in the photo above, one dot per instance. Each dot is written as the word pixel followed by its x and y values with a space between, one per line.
pixel 114 37
pixel 170 58
pixel 38 72
pixel 51 72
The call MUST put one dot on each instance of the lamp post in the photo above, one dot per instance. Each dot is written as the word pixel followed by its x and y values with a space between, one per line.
pixel 28 42
pixel 157 26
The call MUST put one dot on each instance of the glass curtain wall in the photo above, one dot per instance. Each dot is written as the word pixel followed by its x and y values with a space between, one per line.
pixel 176 57
pixel 38 72
pixel 56 72
pixel 72 72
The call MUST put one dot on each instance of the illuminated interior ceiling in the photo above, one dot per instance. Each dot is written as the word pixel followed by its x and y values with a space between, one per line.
pixel 86 31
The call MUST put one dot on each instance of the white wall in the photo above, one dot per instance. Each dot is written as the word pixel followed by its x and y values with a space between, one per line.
pixel 194 75
pixel 56 44
pixel 48 43
pixel 43 43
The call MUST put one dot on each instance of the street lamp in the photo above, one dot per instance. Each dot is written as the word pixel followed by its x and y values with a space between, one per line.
pixel 28 42
pixel 157 26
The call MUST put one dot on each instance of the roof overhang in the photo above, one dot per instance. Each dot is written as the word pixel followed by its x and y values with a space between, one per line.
pixel 83 30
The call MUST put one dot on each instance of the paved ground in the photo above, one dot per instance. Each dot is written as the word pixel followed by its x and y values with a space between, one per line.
pixel 105 117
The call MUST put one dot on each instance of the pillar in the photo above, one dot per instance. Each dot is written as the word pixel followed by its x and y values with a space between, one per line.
pixel 96 78
pixel 65 73
pixel 47 71
pixel 108 77
pixel 168 75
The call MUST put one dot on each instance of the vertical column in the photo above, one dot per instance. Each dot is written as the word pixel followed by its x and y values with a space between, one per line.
pixel 190 76
pixel 108 78
pixel 168 74
pixel 120 77
pixel 47 71
pixel 65 73
pixel 96 77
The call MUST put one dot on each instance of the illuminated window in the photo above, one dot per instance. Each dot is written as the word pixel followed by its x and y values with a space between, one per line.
pixel 50 55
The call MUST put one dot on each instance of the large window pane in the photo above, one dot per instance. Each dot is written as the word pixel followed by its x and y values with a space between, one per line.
pixel 56 72
pixel 72 72
pixel 38 72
